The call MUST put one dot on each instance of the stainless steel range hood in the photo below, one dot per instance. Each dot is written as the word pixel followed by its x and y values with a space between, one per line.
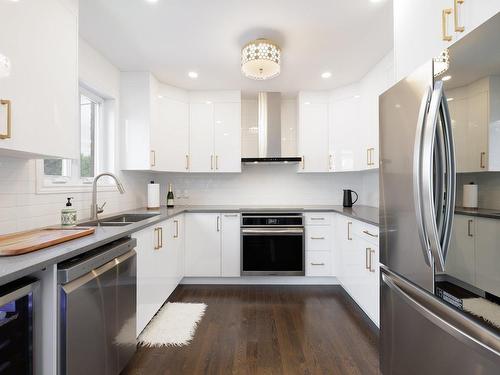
pixel 269 131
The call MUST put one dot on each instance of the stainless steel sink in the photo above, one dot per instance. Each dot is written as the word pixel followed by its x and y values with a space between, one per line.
pixel 118 221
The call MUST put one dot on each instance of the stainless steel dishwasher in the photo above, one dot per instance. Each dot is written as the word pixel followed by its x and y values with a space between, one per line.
pixel 97 314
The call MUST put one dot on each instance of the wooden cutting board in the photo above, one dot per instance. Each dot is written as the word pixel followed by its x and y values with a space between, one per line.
pixel 25 242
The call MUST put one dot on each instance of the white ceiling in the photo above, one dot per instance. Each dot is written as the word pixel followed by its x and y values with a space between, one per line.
pixel 172 37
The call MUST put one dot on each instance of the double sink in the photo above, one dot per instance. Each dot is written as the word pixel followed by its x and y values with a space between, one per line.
pixel 118 221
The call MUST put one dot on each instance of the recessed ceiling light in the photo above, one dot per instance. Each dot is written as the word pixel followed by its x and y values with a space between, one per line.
pixel 450 99
pixel 446 78
pixel 193 75
pixel 326 75
pixel 152 1
pixel 377 1
pixel 307 103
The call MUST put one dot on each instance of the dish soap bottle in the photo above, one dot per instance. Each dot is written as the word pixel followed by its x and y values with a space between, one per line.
pixel 170 197
pixel 68 214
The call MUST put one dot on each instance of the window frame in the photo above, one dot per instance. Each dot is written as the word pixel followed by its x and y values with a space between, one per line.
pixel 75 183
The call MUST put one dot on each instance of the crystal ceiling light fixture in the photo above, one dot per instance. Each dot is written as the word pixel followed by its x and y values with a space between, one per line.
pixel 260 59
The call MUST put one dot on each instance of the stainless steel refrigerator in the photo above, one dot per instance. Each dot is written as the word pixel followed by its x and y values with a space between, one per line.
pixel 440 264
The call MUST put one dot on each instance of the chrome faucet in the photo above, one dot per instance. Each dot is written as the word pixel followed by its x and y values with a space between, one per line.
pixel 95 209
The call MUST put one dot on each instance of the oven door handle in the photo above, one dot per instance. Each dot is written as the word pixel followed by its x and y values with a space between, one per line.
pixel 272 231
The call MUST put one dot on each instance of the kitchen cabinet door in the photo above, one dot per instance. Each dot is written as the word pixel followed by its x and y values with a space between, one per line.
pixel 460 260
pixel 418 32
pixel 171 135
pixel 203 244
pixel 488 255
pixel 471 14
pixel 40 92
pixel 368 297
pixel 477 126
pixel 227 137
pixel 345 133
pixel 201 137
pixel 230 248
pixel 149 275
pixel 313 134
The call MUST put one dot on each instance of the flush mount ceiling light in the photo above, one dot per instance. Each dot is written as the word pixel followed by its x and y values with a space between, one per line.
pixel 260 59
pixel 193 75
pixel 441 63
pixel 326 75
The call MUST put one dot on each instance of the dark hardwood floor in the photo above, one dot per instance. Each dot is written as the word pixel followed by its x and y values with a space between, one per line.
pixel 268 330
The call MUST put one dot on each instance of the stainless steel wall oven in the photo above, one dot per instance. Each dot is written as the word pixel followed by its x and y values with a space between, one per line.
pixel 272 244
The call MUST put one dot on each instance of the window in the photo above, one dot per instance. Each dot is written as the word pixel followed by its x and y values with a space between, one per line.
pixel 80 172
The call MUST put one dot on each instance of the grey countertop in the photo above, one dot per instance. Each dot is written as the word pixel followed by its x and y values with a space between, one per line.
pixel 480 212
pixel 15 267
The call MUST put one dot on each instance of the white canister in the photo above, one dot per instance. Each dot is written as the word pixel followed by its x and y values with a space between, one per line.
pixel 153 195
pixel 470 196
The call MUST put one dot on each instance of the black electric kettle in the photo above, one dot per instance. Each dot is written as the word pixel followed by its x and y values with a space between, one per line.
pixel 348 197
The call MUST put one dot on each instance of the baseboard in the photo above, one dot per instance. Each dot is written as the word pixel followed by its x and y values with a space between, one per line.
pixel 262 280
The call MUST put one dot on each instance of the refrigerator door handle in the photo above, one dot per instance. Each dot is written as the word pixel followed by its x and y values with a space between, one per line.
pixel 445 317
pixel 451 182
pixel 417 175
pixel 433 160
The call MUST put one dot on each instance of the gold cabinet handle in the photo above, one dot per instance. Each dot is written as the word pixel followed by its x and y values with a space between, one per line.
pixel 216 162
pixel 153 158
pixel 370 234
pixel 176 234
pixel 157 235
pixel 445 14
pixel 303 162
pixel 211 162
pixel 469 228
pixel 317 264
pixel 218 223
pixel 349 230
pixel 371 269
pixel 481 160
pixel 161 237
pixel 330 162
pixel 187 162
pixel 317 238
pixel 456 12
pixel 317 218
pixel 7 104
pixel 367 255
pixel 367 156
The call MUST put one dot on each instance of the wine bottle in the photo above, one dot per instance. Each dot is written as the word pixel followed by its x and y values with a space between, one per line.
pixel 170 197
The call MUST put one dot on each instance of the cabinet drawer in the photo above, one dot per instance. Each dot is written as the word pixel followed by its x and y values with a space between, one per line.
pixel 318 263
pixel 366 231
pixel 318 218
pixel 318 238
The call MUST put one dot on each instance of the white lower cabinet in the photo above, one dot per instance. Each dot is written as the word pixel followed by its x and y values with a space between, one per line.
pixel 230 245
pixel 212 244
pixel 160 266
pixel 319 244
pixel 358 271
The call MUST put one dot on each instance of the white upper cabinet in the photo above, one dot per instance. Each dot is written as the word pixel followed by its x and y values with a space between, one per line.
pixel 313 108
pixel 201 140
pixel 227 137
pixel 422 29
pixel 475 121
pixel 40 93
pixel 172 129
pixel 155 124
pixel 346 151
pixel 215 131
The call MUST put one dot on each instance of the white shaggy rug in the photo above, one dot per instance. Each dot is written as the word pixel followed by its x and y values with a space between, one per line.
pixel 483 308
pixel 175 324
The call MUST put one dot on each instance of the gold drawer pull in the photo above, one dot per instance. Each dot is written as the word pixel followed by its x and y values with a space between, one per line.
pixel 445 14
pixel 317 238
pixel 153 158
pixel 481 160
pixel 7 104
pixel 187 162
pixel 370 234
pixel 317 264
pixel 458 28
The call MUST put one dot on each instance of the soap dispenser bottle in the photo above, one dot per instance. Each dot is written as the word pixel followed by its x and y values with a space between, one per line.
pixel 68 214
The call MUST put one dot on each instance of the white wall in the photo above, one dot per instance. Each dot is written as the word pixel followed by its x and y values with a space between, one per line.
pixel 21 208
pixel 270 184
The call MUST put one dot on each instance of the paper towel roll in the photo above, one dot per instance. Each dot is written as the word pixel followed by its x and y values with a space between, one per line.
pixel 153 195
pixel 470 195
